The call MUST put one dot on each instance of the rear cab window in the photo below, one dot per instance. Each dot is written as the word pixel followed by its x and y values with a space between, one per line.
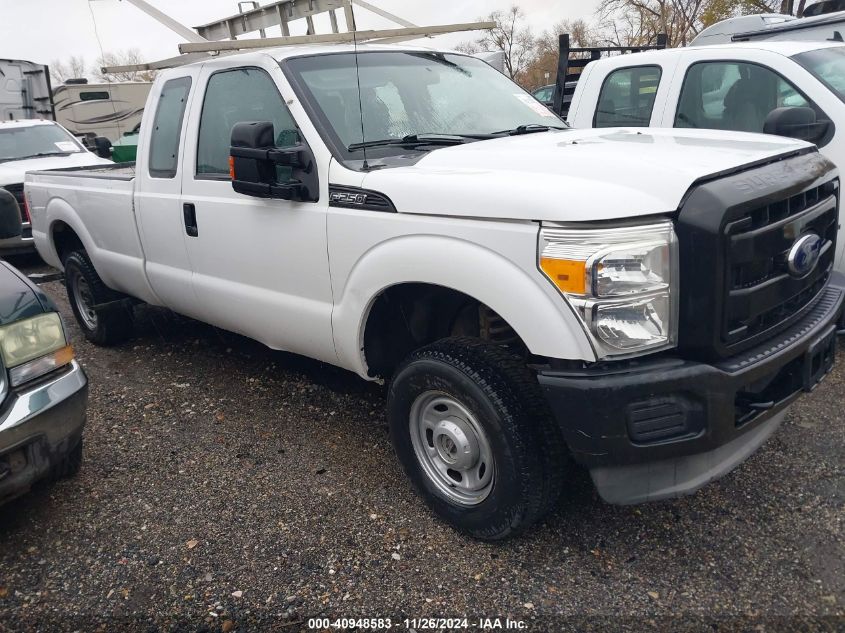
pixel 167 128
pixel 627 97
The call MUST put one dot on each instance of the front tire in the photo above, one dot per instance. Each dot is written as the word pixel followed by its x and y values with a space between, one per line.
pixel 86 291
pixel 70 465
pixel 474 435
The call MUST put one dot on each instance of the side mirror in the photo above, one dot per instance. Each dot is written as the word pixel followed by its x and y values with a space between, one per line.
pixel 260 169
pixel 102 147
pixel 797 123
pixel 10 216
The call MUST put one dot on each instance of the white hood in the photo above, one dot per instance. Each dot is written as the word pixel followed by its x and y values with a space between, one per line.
pixel 13 172
pixel 572 175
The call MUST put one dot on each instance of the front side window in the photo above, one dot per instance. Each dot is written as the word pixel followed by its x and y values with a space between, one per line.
pixel 737 96
pixel 828 66
pixel 627 97
pixel 35 141
pixel 237 96
pixel 167 128
pixel 406 94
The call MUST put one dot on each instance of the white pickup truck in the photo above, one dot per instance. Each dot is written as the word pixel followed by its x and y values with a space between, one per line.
pixel 647 302
pixel 789 88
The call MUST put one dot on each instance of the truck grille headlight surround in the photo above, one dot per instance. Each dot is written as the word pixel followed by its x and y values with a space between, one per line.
pixel 622 282
pixel 34 347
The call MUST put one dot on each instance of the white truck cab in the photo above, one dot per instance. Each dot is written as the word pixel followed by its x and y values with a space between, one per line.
pixel 735 87
pixel 531 292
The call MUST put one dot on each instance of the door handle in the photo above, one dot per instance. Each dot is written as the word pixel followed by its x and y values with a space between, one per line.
pixel 190 213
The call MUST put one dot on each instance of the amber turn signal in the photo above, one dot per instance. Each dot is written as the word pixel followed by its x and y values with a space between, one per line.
pixel 568 275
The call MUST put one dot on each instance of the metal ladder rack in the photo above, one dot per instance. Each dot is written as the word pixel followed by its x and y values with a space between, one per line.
pixel 220 37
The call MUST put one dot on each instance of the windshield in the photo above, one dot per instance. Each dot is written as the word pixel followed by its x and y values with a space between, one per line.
pixel 407 94
pixel 828 66
pixel 18 143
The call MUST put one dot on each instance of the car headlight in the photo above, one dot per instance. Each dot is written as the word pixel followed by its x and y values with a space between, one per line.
pixel 33 347
pixel 622 281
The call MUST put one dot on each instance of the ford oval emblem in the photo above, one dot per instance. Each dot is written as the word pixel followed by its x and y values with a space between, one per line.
pixel 804 255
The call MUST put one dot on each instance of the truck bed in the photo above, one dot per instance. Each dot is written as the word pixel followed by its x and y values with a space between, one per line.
pixel 96 203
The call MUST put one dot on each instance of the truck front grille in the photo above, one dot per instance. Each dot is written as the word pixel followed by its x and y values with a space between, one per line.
pixel 760 292
pixel 735 233
pixel 17 191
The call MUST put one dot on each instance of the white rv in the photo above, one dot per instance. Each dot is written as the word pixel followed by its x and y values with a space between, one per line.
pixel 103 109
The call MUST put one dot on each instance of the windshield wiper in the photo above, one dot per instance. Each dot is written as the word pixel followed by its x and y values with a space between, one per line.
pixel 417 140
pixel 530 128
pixel 43 154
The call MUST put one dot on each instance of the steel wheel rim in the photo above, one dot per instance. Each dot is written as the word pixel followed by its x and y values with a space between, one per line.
pixel 84 300
pixel 452 448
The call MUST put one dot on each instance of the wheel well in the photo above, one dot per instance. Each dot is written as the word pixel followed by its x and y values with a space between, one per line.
pixel 65 240
pixel 409 316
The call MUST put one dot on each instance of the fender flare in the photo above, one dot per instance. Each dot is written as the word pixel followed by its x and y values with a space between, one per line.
pixel 59 210
pixel 542 318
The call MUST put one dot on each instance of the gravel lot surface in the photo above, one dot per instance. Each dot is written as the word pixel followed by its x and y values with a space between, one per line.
pixel 226 487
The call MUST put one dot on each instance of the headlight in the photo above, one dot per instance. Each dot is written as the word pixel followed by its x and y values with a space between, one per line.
pixel 33 347
pixel 622 282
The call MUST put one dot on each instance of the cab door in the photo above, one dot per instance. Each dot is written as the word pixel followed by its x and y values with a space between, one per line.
pixel 736 89
pixel 158 192
pixel 629 91
pixel 260 266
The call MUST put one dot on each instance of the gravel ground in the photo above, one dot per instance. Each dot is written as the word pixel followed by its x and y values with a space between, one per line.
pixel 227 487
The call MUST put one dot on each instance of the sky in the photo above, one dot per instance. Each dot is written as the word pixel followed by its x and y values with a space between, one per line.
pixel 45 30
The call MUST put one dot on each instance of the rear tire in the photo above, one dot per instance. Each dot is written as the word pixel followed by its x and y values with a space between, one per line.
pixel 475 436
pixel 85 290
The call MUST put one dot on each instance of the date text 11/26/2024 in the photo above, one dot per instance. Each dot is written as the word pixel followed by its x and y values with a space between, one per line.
pixel 417 624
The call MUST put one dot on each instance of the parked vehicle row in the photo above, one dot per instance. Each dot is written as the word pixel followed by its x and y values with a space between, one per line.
pixel 645 302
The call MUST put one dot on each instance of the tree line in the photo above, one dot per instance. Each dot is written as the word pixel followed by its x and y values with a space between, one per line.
pixel 76 67
pixel 531 58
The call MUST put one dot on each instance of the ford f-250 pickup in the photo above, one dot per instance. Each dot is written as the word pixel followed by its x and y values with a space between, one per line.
pixel 648 302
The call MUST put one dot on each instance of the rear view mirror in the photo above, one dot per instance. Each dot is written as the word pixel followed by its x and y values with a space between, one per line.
pixel 10 216
pixel 259 168
pixel 102 147
pixel 797 123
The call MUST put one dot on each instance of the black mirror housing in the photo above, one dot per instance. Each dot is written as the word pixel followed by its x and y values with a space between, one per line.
pixel 261 169
pixel 11 224
pixel 795 122
pixel 102 147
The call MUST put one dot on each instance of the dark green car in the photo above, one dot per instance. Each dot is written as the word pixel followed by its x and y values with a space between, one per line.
pixel 43 389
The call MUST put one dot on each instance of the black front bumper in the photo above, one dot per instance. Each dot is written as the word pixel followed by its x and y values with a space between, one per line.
pixel 663 428
pixel 40 425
